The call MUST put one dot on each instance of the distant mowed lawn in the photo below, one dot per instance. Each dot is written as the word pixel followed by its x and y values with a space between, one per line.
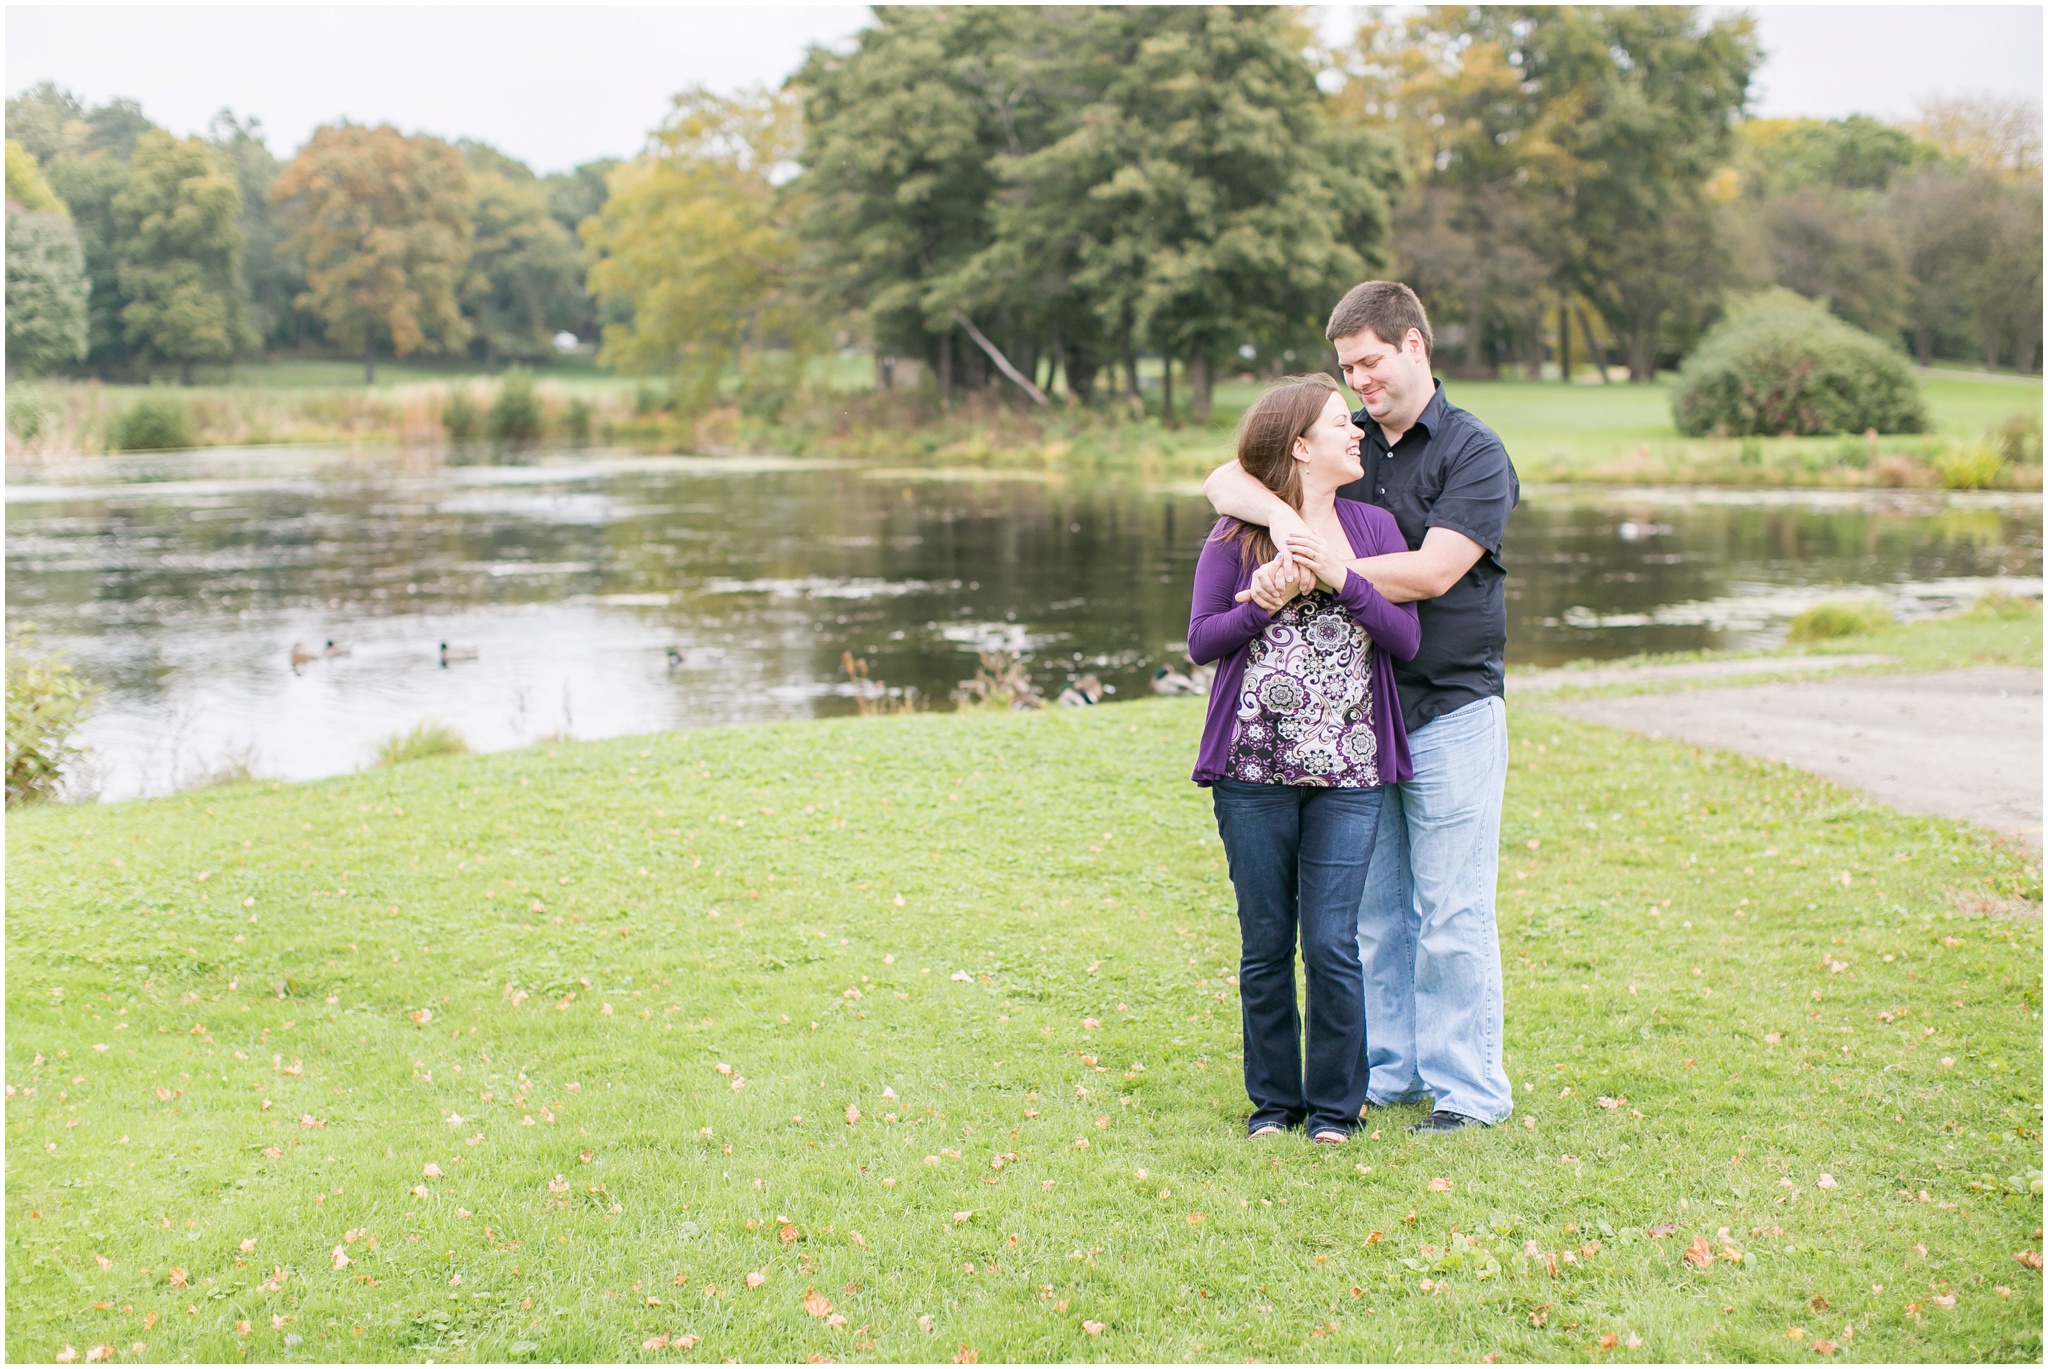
pixel 916 1039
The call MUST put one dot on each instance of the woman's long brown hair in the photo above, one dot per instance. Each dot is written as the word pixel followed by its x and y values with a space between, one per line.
pixel 1265 448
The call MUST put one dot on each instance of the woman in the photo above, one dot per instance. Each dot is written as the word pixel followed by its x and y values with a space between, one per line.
pixel 1304 727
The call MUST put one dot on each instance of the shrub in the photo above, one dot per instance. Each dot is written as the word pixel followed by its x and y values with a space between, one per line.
pixel 576 418
pixel 1780 365
pixel 1838 618
pixel 24 417
pixel 46 701
pixel 647 400
pixel 1996 603
pixel 2018 439
pixel 427 739
pixel 159 421
pixel 515 413
pixel 459 415
pixel 1975 467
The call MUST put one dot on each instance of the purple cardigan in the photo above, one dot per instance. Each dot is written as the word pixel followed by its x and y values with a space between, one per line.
pixel 1219 630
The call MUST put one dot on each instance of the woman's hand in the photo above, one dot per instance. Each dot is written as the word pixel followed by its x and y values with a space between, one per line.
pixel 1273 584
pixel 1314 555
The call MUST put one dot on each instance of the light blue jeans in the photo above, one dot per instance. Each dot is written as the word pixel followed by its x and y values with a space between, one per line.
pixel 1426 933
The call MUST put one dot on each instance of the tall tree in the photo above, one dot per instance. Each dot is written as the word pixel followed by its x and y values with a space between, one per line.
pixel 382 223
pixel 900 139
pixel 179 228
pixel 698 247
pixel 272 278
pixel 521 285
pixel 46 283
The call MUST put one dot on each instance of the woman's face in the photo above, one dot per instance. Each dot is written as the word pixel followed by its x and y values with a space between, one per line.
pixel 1329 451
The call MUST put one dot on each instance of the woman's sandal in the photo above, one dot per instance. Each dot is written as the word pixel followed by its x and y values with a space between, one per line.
pixel 1270 1129
pixel 1329 1138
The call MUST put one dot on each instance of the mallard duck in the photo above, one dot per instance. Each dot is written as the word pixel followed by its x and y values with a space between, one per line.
pixel 456 653
pixel 1203 676
pixel 1166 680
pixel 1082 693
pixel 334 648
pixel 695 657
pixel 301 654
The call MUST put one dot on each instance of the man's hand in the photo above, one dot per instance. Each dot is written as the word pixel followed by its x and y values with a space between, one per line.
pixel 1234 493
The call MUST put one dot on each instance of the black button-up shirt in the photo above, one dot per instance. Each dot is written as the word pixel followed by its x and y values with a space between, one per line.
pixel 1448 471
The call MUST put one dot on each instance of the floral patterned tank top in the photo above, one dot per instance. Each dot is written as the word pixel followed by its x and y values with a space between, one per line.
pixel 1305 708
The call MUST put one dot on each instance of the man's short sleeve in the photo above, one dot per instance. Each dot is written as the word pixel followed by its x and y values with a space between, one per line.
pixel 1479 491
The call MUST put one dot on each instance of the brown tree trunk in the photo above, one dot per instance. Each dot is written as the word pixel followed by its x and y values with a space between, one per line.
pixel 1166 390
pixel 1923 345
pixel 945 369
pixel 1564 340
pixel 1474 354
pixel 369 358
pixel 885 372
pixel 1991 341
pixel 1642 359
pixel 1133 396
pixel 1593 348
pixel 1200 382
pixel 184 373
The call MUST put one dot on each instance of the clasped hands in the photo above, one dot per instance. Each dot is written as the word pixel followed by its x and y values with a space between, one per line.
pixel 1304 560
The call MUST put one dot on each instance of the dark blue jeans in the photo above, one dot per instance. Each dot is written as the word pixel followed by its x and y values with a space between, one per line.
pixel 1298 858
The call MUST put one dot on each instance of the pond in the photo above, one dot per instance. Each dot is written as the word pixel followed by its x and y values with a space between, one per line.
pixel 610 593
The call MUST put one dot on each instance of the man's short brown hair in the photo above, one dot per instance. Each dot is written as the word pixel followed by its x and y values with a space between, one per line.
pixel 1387 309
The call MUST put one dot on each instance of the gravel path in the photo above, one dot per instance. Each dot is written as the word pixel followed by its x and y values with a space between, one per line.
pixel 1959 744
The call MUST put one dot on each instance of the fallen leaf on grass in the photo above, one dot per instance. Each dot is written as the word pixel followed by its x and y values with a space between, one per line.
pixel 2030 1258
pixel 178 1277
pixel 1663 1229
pixel 103 1261
pixel 1699 1255
pixel 1825 1347
pixel 1825 1181
pixel 341 1260
pixel 1440 1185
pixel 1945 1300
pixel 817 1304
pixel 1196 1219
pixel 432 1171
pixel 1093 1328
pixel 756 1278
pixel 1609 1341
pixel 1634 1342
pixel 1374 1238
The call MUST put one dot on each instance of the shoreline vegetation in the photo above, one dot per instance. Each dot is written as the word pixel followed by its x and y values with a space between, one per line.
pixel 889 1038
pixel 1985 432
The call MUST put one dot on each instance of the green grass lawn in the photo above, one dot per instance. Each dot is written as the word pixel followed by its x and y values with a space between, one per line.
pixel 914 1037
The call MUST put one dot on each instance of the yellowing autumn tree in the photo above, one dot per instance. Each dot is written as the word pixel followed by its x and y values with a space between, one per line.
pixel 696 242
pixel 381 221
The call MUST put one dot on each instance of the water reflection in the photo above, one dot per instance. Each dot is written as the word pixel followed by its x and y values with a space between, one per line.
pixel 617 592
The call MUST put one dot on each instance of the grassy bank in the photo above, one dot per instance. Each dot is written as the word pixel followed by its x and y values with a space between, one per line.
pixel 1606 433
pixel 1997 631
pixel 914 1038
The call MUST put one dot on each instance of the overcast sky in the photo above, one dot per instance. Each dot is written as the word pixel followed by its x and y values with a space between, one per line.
pixel 557 85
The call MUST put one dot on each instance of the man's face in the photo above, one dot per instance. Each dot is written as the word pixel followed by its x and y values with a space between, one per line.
pixel 1392 381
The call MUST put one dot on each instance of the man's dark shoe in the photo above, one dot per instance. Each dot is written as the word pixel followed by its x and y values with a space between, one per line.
pixel 1441 1120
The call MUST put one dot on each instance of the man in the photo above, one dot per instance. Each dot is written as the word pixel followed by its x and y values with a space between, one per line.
pixel 1426 924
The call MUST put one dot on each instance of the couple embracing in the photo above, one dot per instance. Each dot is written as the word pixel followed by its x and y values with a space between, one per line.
pixel 1352 598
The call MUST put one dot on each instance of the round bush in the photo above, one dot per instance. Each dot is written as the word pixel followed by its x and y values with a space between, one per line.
pixel 156 422
pixel 1838 618
pixel 515 414
pixel 1781 365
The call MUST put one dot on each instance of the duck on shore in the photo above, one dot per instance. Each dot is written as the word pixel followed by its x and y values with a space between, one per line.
pixel 301 654
pixel 334 648
pixel 1083 693
pixel 1169 681
pixel 456 653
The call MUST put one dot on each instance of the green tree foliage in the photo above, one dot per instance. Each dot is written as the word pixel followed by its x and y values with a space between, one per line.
pixel 1780 364
pixel 900 139
pixel 46 285
pixel 381 222
pixel 522 284
pixel 698 244
pixel 178 222
pixel 84 155
pixel 46 701
pixel 46 291
pixel 1582 138
pixel 1086 181
pixel 26 187
pixel 272 279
